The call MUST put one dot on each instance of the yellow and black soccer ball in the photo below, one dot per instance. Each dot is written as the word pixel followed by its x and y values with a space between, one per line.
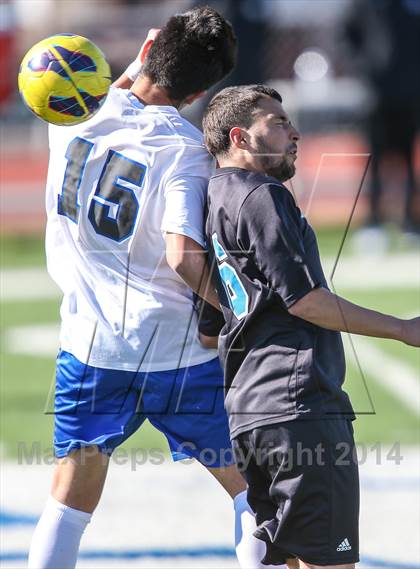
pixel 64 79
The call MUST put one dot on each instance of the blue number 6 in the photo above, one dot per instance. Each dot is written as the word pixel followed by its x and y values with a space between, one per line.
pixel 235 290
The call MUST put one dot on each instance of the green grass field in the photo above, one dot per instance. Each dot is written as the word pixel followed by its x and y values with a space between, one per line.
pixel 27 380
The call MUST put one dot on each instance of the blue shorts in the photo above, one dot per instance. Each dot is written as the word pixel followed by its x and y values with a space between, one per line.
pixel 103 407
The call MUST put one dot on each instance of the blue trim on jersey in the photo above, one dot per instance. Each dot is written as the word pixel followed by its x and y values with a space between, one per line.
pixel 96 406
pixel 235 290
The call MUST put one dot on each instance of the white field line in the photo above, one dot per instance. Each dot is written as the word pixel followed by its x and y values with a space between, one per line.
pixel 391 373
pixel 374 272
pixel 34 339
pixel 398 378
pixel 381 272
pixel 26 284
pixel 149 506
pixel 402 270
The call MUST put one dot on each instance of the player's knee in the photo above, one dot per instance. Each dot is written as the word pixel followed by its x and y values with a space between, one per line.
pixel 79 478
pixel 230 478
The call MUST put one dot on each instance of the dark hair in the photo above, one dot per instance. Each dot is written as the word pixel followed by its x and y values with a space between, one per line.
pixel 192 52
pixel 233 106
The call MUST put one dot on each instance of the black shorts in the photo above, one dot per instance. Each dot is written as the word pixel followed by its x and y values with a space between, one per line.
pixel 303 486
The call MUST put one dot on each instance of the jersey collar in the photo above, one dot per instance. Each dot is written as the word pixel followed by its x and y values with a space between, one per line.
pixel 152 108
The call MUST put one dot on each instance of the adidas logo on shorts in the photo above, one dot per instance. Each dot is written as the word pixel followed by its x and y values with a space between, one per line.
pixel 344 545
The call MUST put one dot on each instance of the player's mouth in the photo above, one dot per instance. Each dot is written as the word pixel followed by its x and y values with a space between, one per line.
pixel 293 152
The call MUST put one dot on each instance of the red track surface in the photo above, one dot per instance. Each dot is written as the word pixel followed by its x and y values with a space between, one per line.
pixel 330 169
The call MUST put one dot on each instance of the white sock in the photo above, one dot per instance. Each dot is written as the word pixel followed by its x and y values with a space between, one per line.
pixel 56 540
pixel 249 549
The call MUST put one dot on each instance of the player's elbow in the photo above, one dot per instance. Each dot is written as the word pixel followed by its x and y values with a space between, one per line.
pixel 307 307
pixel 297 309
pixel 177 260
pixel 209 342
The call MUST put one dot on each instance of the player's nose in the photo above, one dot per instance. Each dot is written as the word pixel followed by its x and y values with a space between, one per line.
pixel 294 134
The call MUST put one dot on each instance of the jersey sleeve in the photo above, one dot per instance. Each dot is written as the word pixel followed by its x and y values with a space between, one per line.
pixel 269 229
pixel 186 194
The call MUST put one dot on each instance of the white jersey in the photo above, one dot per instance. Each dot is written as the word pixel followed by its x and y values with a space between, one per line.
pixel 115 185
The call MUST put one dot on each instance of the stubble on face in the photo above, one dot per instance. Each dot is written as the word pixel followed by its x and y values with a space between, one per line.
pixel 279 166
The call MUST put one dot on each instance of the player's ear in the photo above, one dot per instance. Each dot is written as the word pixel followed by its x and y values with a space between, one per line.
pixel 191 98
pixel 238 137
pixel 147 44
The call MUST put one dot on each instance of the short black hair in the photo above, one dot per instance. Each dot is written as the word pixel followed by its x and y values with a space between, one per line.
pixel 232 107
pixel 193 51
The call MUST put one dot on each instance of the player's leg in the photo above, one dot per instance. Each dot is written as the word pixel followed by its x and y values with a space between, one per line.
pixel 78 482
pixel 313 487
pixel 230 479
pixel 259 499
pixel 376 136
pixel 249 550
pixel 94 413
pixel 196 426
pixel 79 478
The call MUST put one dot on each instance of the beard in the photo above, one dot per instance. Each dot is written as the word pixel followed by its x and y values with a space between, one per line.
pixel 276 165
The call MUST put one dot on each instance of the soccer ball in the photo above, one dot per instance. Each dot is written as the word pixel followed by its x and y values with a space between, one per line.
pixel 64 79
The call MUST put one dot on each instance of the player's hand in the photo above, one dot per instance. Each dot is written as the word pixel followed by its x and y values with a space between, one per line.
pixel 144 50
pixel 209 342
pixel 410 333
pixel 126 80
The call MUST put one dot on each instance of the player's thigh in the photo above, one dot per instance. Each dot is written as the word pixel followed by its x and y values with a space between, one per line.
pixel 257 480
pixel 195 421
pixel 79 478
pixel 93 406
pixel 314 489
pixel 95 411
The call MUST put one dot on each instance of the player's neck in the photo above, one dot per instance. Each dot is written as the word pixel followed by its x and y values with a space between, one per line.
pixel 150 94
pixel 239 162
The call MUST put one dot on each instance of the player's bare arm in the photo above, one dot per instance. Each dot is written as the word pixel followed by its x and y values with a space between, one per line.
pixel 189 260
pixel 325 309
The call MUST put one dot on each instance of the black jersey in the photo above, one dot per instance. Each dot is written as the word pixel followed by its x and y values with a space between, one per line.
pixel 277 367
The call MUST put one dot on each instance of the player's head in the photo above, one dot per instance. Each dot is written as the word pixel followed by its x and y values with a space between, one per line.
pixel 192 52
pixel 247 126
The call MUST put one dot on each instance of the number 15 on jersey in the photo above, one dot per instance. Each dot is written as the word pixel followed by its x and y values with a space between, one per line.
pixel 114 207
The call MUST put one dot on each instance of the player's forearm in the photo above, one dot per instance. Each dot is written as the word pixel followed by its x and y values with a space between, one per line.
pixel 195 273
pixel 189 260
pixel 325 309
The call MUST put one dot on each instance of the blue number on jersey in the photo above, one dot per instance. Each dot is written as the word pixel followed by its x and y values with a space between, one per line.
pixel 235 290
